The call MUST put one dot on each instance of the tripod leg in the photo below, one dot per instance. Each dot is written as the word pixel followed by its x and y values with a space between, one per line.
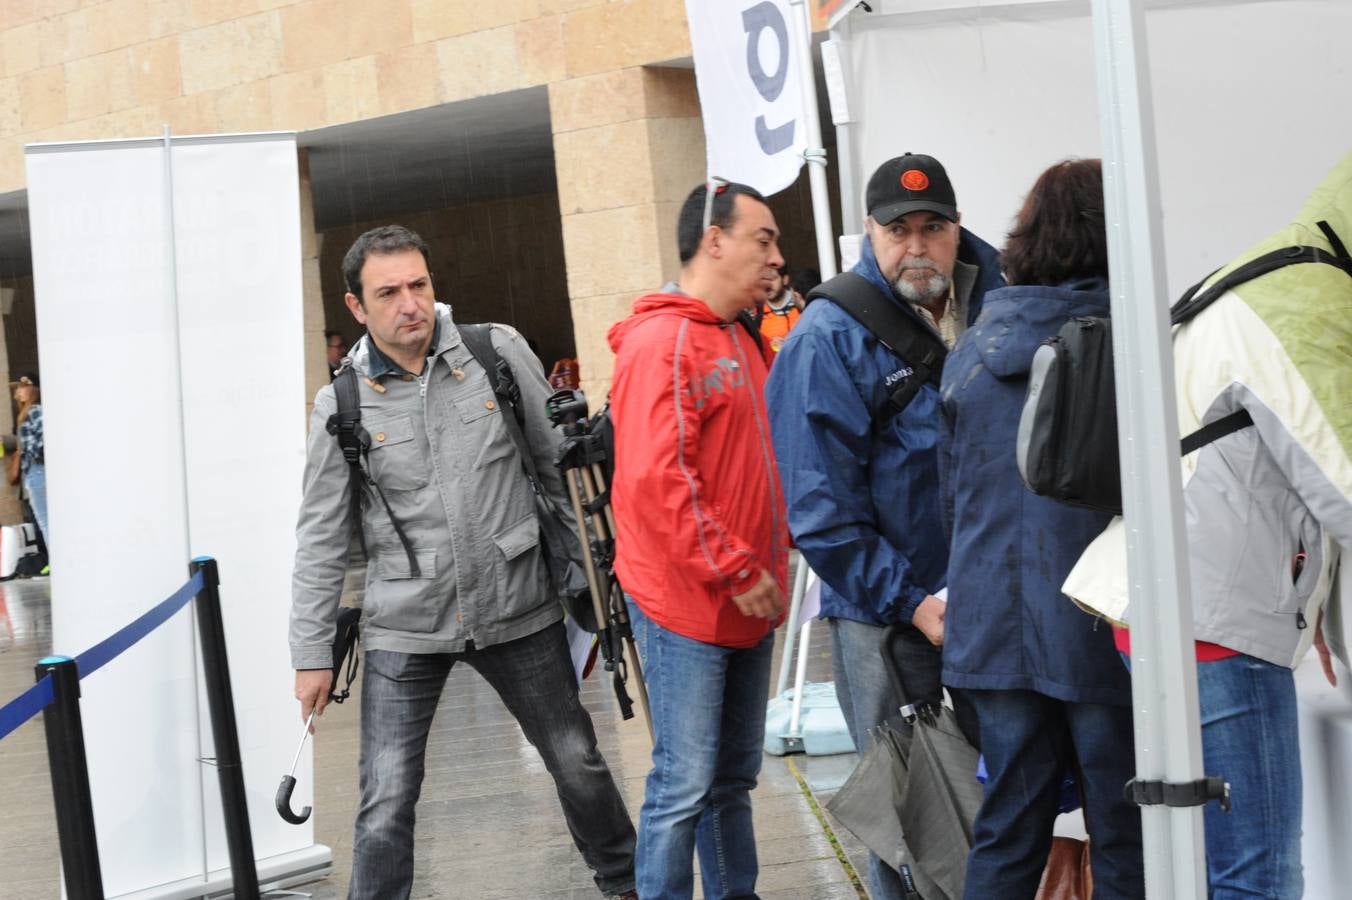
pixel 599 484
pixel 593 583
pixel 640 684
pixel 593 483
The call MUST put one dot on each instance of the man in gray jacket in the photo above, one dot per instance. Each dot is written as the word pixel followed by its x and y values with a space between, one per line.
pixel 451 475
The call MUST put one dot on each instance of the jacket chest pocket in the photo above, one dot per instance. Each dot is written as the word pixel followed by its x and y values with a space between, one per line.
pixel 483 432
pixel 396 461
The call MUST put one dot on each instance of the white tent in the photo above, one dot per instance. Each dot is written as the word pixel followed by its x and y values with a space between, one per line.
pixel 1210 138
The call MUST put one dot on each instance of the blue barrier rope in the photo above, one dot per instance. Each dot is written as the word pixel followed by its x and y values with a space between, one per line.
pixel 25 706
pixel 35 699
pixel 102 653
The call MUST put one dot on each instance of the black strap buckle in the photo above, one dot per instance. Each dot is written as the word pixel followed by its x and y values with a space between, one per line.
pixel 1186 793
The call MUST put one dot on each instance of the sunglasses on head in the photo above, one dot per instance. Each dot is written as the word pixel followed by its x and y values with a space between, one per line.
pixel 712 189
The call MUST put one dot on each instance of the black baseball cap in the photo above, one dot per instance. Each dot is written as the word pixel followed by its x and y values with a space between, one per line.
pixel 909 183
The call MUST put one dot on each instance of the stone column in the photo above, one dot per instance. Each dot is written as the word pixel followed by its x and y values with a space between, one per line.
pixel 628 147
pixel 316 354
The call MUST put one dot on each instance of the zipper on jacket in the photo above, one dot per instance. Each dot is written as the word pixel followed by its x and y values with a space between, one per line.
pixel 1298 566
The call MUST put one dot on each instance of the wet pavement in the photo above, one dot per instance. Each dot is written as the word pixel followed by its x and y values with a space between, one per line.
pixel 489 824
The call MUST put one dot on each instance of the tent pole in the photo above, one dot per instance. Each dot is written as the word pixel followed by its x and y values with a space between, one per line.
pixel 815 153
pixel 1164 671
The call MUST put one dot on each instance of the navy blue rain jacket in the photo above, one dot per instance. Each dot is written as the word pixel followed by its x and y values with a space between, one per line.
pixel 863 501
pixel 1008 627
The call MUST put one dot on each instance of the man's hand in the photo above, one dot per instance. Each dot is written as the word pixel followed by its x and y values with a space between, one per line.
pixel 929 618
pixel 1322 648
pixel 312 690
pixel 764 601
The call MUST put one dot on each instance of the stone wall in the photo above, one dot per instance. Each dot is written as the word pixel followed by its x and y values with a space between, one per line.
pixel 75 69
pixel 628 140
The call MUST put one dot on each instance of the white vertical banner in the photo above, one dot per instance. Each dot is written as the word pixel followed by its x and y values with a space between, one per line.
pixel 240 300
pixel 749 90
pixel 169 304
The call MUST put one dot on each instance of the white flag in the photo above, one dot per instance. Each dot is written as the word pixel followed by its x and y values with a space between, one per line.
pixel 749 89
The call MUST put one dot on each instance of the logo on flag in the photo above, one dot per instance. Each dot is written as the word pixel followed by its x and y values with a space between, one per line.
pixel 747 72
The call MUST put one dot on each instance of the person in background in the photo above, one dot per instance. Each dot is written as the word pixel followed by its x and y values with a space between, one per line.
pixel 779 314
pixel 1041 674
pixel 32 445
pixel 336 348
pixel 28 394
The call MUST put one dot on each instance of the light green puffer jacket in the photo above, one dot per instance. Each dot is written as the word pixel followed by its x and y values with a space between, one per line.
pixel 1279 346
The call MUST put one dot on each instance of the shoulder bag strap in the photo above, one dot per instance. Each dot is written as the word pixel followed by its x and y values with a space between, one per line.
pixel 907 338
pixel 478 340
pixel 355 442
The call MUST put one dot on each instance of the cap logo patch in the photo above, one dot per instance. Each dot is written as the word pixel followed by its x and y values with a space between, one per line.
pixel 914 180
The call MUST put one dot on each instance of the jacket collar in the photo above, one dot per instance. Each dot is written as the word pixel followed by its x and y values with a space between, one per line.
pixel 368 358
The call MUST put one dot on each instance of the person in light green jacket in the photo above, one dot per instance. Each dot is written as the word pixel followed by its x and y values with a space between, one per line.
pixel 1268 511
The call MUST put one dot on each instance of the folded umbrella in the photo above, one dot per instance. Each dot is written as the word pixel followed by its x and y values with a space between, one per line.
pixel 914 794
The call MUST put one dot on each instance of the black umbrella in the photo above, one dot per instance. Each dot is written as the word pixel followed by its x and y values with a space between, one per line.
pixel 344 654
pixel 914 795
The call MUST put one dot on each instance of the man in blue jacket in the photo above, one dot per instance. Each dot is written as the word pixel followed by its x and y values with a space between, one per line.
pixel 862 483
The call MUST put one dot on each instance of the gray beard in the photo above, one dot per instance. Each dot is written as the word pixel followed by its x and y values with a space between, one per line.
pixel 933 289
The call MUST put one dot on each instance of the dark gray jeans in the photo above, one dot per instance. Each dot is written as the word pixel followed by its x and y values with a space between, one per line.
pixel 534 677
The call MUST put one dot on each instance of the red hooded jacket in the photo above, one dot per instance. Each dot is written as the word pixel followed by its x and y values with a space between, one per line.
pixel 698 507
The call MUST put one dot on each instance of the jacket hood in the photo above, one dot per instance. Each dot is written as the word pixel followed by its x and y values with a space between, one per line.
pixel 660 303
pixel 867 266
pixel 1016 320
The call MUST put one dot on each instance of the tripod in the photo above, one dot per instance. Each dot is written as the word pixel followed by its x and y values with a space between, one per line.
pixel 581 460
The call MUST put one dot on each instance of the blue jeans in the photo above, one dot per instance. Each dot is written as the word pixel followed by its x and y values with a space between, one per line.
pixel 866 698
pixel 708 709
pixel 1250 738
pixel 1028 740
pixel 35 481
pixel 534 677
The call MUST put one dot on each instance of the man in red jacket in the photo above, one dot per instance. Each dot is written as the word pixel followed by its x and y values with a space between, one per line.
pixel 701 541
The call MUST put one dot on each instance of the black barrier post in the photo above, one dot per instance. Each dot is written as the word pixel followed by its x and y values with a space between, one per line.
pixel 70 780
pixel 224 733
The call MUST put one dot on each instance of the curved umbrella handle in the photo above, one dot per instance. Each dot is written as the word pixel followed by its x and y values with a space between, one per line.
pixel 284 802
pixel 288 784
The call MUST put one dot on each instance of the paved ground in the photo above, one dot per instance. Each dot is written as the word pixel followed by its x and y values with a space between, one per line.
pixel 488 823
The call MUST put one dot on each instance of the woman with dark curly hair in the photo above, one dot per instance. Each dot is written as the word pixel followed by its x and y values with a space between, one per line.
pixel 1049 692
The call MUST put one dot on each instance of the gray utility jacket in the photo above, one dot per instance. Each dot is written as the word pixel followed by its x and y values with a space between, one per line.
pixel 442 454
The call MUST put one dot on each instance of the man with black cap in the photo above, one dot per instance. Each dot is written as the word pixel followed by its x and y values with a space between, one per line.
pixel 855 422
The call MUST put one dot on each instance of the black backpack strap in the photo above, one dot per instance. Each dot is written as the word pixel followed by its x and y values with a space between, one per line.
pixel 1339 250
pixel 479 341
pixel 1214 431
pixel 355 442
pixel 907 338
pixel 1192 303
